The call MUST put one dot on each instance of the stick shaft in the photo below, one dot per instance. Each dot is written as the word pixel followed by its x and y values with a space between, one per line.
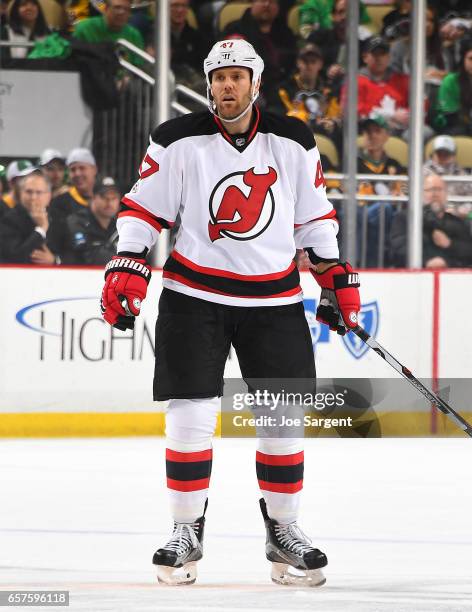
pixel 406 373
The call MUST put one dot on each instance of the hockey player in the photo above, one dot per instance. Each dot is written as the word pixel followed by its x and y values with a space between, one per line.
pixel 249 189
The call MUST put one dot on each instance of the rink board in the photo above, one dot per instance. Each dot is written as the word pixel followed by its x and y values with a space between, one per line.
pixel 63 371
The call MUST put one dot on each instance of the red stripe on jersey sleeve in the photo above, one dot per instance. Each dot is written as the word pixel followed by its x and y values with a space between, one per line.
pixel 205 455
pixel 281 487
pixel 139 215
pixel 330 215
pixel 292 459
pixel 188 485
pixel 244 277
pixel 135 206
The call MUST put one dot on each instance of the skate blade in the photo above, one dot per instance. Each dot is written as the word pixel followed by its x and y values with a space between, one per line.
pixel 284 574
pixel 177 576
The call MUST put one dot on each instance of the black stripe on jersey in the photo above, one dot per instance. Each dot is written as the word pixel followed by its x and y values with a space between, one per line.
pixel 287 127
pixel 279 473
pixel 193 124
pixel 165 224
pixel 203 124
pixel 232 286
pixel 188 470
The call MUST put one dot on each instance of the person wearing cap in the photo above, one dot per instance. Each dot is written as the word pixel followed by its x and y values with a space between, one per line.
pixel 82 170
pixel 248 188
pixel 443 161
pixel 91 233
pixel 381 91
pixel 24 231
pixel 307 96
pixel 373 159
pixel 53 164
pixel 15 170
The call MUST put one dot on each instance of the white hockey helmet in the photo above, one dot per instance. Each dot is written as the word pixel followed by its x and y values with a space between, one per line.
pixel 230 53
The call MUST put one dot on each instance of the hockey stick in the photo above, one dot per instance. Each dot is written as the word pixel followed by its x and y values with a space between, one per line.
pixel 406 373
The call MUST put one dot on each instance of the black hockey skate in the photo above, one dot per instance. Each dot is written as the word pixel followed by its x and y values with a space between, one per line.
pixel 287 546
pixel 177 560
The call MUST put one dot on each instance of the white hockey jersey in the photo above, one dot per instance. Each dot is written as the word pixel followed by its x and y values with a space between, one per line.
pixel 243 210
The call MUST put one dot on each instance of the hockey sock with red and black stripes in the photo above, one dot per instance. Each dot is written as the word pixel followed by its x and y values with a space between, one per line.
pixel 188 480
pixel 190 424
pixel 279 467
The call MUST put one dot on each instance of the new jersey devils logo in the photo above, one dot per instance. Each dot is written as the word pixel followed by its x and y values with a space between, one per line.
pixel 238 212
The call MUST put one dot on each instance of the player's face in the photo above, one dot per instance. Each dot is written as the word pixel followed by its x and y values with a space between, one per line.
pixel 231 90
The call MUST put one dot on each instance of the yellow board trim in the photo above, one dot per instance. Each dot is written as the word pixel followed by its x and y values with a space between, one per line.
pixel 106 424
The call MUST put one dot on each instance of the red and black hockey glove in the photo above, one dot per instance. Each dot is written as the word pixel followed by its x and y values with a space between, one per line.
pixel 339 301
pixel 127 276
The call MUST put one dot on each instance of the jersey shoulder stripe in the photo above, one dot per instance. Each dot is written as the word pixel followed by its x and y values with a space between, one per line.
pixel 193 124
pixel 287 127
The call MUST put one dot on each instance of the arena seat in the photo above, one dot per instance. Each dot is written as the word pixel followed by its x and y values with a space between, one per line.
pixel 231 11
pixel 395 147
pixel 54 13
pixel 293 19
pixel 327 147
pixel 464 150
pixel 376 13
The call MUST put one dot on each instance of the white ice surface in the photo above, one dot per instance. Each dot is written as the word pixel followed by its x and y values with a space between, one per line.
pixel 394 517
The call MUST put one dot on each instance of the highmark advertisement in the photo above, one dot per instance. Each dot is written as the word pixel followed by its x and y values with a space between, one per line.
pixel 59 356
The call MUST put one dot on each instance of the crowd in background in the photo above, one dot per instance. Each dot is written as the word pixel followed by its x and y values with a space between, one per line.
pixel 59 212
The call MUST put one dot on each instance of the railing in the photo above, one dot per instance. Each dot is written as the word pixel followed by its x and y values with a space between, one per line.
pixel 372 246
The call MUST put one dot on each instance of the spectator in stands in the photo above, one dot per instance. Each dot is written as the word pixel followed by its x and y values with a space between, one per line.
pixel 382 92
pixel 82 170
pixel 188 47
pixel 453 30
pixel 443 161
pixel 307 96
pixel 332 42
pixel 91 233
pixel 53 164
pixel 374 160
pixel 320 14
pixel 392 21
pixel 264 28
pixel 15 170
pixel 26 22
pixel 452 8
pixel 435 62
pixel 455 96
pixel 447 242
pixel 24 230
pixel 111 26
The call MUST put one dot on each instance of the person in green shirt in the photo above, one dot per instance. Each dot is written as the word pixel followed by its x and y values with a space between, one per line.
pixel 455 96
pixel 317 14
pixel 111 26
